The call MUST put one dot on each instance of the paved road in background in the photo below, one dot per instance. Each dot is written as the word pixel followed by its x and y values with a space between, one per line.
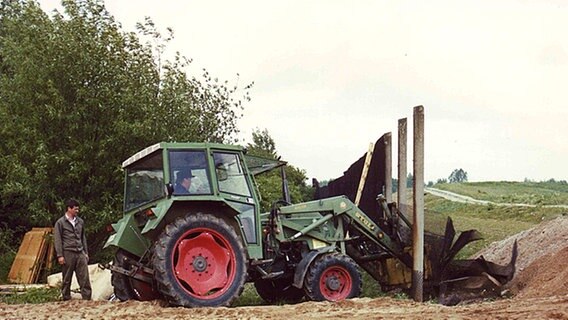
pixel 465 199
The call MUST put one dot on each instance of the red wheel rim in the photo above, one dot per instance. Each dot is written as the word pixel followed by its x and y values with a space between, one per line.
pixel 335 283
pixel 204 263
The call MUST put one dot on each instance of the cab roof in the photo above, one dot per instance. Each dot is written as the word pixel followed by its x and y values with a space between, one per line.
pixel 178 145
pixel 256 165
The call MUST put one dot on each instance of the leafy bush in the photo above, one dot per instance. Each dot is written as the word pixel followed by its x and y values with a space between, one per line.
pixel 6 260
pixel 80 95
pixel 8 250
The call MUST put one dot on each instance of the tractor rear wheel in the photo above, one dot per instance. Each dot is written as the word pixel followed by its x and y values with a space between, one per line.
pixel 128 288
pixel 332 277
pixel 278 290
pixel 199 261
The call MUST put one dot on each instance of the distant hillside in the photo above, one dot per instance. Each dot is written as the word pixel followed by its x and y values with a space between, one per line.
pixel 493 221
pixel 536 193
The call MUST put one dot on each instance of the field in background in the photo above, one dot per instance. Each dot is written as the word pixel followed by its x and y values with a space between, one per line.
pixel 497 222
pixel 536 193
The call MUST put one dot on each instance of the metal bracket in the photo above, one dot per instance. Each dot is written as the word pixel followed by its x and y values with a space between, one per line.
pixel 131 273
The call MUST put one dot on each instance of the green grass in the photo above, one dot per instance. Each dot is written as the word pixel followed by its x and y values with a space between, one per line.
pixel 436 205
pixel 249 297
pixel 33 295
pixel 537 193
pixel 370 287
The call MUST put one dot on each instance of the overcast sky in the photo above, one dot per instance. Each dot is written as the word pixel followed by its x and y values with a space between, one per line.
pixel 332 76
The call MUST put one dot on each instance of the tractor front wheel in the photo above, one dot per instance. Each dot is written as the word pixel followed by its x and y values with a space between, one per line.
pixel 199 261
pixel 332 277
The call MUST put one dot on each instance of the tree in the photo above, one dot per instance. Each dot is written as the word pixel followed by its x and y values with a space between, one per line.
pixel 262 144
pixel 78 96
pixel 457 176
pixel 269 184
pixel 409 180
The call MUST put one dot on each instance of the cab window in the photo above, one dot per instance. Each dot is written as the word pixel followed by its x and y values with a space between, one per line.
pixel 144 181
pixel 189 172
pixel 230 174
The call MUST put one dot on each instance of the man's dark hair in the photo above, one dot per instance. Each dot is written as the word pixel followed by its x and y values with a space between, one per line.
pixel 71 203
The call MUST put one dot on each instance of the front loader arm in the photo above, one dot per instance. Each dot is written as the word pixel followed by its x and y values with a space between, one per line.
pixel 338 208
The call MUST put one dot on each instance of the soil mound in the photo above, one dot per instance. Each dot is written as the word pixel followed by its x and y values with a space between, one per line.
pixel 543 256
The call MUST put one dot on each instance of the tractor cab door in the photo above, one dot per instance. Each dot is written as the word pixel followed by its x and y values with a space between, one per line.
pixel 235 186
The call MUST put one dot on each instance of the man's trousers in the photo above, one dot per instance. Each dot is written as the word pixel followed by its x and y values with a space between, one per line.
pixel 76 262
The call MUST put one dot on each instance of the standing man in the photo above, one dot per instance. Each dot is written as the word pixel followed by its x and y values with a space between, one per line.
pixel 71 250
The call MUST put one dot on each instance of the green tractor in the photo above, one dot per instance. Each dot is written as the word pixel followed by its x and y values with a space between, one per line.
pixel 193 234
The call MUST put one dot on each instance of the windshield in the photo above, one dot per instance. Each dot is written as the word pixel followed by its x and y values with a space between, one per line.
pixel 230 174
pixel 144 181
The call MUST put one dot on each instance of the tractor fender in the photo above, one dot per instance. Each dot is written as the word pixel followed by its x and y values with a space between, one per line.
pixel 128 236
pixel 305 263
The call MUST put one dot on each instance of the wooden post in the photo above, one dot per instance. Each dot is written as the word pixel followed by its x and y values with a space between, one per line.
pixel 388 167
pixel 402 193
pixel 364 173
pixel 418 200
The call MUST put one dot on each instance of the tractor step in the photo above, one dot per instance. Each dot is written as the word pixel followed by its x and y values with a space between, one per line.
pixel 266 275
pixel 272 275
pixel 259 262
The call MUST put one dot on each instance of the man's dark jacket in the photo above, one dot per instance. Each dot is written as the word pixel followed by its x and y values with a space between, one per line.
pixel 69 238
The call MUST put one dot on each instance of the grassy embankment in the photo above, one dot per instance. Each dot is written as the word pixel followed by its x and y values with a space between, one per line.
pixel 536 193
pixel 499 222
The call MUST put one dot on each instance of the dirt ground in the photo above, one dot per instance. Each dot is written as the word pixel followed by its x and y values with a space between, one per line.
pixel 539 291
pixel 363 308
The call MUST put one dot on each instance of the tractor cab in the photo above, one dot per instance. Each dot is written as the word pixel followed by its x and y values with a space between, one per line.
pixel 182 170
pixel 168 180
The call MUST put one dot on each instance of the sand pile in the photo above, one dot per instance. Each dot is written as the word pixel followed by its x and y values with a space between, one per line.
pixel 543 256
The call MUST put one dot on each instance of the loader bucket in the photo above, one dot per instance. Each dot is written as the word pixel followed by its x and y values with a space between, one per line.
pixel 451 281
pixel 467 280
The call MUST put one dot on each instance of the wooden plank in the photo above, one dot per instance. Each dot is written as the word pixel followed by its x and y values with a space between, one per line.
pixel 43 255
pixel 21 268
pixel 25 265
pixel 40 258
pixel 34 267
pixel 364 173
pixel 50 252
